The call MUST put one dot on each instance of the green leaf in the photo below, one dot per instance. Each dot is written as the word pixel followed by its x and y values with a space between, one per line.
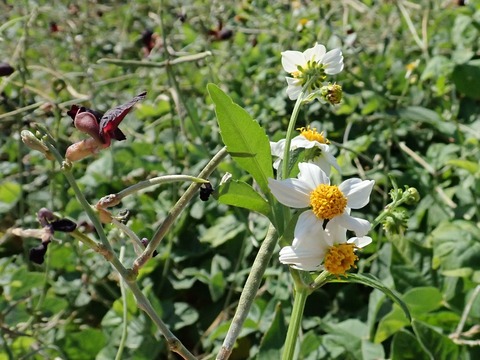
pixel 456 246
pixel 372 281
pixel 465 77
pixel 23 281
pixel 274 338
pixel 84 344
pixel 438 346
pixel 241 194
pixel 420 301
pixel 423 115
pixel 10 193
pixel 470 166
pixel 405 346
pixel 245 139
pixel 226 228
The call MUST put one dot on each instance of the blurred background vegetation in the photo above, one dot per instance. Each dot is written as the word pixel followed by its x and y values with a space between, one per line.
pixel 411 109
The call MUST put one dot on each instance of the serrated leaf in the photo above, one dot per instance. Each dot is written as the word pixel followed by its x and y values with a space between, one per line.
pixel 241 194
pixel 245 139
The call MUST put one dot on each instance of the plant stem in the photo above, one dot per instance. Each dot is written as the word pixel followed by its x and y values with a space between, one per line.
pixel 114 199
pixel 176 210
pixel 249 292
pixel 288 138
pixel 127 275
pixel 301 295
pixel 123 338
pixel 182 59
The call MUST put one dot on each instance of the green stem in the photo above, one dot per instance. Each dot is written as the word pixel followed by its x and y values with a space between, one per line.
pixel 177 209
pixel 123 338
pixel 288 139
pixel 127 275
pixel 114 199
pixel 183 59
pixel 249 292
pixel 295 322
pixel 320 280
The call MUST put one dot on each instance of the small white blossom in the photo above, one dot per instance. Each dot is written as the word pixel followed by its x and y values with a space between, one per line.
pixel 308 139
pixel 315 248
pixel 314 63
pixel 312 190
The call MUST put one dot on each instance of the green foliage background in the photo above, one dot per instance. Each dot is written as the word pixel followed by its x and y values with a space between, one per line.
pixel 411 109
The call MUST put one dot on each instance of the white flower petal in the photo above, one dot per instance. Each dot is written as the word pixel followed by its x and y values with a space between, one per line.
pixel 334 56
pixel 309 229
pixel 291 60
pixel 333 70
pixel 300 141
pixel 322 163
pixel 294 88
pixel 336 231
pixel 360 226
pixel 276 163
pixel 300 259
pixel 357 192
pixel 333 62
pixel 278 148
pixel 316 53
pixel 360 242
pixel 290 192
pixel 312 175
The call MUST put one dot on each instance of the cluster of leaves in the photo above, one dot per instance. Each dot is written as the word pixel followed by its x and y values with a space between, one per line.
pixel 410 109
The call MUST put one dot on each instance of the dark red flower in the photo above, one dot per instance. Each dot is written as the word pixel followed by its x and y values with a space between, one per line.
pixel 103 127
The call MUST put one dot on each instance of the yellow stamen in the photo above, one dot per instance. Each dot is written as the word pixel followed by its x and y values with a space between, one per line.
pixel 340 258
pixel 327 201
pixel 313 135
pixel 303 21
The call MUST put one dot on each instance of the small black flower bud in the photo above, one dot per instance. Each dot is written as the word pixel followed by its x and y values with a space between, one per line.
pixel 37 254
pixel 63 225
pixel 145 243
pixel 205 191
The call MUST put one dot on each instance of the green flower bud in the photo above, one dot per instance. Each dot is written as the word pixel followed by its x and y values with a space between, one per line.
pixel 332 93
pixel 31 141
pixel 411 196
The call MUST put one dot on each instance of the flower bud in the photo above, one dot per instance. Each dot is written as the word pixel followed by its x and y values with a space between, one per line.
pixel 332 93
pixel 31 141
pixel 87 123
pixel 82 149
pixel 411 196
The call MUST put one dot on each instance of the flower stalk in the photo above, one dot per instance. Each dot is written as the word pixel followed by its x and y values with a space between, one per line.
pixel 301 294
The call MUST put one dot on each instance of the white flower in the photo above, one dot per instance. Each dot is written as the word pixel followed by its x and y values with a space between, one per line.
pixel 312 190
pixel 315 249
pixel 312 63
pixel 308 139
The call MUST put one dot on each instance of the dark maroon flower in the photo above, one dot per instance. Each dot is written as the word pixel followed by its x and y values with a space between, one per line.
pixel 145 243
pixel 103 127
pixel 37 254
pixel 50 223
pixel 205 191
pixel 6 69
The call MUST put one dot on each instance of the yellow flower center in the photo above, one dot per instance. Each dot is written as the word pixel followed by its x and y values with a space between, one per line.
pixel 313 135
pixel 340 258
pixel 327 201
